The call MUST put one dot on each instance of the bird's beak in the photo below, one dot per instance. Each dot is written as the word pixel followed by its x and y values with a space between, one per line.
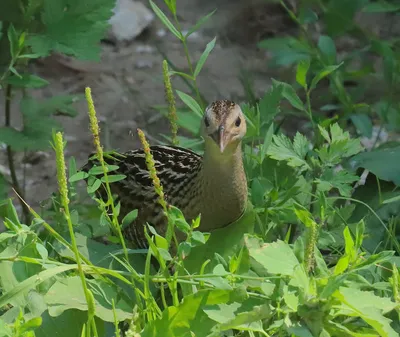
pixel 219 137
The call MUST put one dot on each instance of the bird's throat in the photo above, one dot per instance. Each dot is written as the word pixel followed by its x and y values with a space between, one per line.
pixel 224 188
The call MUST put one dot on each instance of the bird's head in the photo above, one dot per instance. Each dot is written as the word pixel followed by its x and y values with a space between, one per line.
pixel 223 126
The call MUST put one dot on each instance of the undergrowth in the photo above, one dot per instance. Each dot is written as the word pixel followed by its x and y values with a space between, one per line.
pixel 315 254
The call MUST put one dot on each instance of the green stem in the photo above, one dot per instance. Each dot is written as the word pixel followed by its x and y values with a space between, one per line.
pixel 189 61
pixel 10 157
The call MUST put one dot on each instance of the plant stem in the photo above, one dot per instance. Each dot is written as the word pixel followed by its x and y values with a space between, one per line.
pixel 189 61
pixel 10 156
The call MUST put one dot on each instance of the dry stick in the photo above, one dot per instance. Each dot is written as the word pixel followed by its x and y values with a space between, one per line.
pixel 10 156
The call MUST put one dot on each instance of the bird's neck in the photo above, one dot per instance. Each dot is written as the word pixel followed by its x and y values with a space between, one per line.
pixel 224 187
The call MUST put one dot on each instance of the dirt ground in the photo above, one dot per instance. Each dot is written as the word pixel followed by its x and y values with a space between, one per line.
pixel 127 83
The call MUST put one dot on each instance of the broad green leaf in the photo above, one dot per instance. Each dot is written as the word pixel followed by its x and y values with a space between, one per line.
pixel 339 16
pixel 322 74
pixel 340 146
pixel 210 46
pixel 269 104
pixel 327 47
pixel 94 186
pixel 294 153
pixel 301 73
pixel 70 323
pixel 199 23
pixel 369 307
pixel 290 94
pixel 78 176
pixel 363 124
pixel 129 218
pixel 67 293
pixel 27 81
pixel 373 160
pixel 72 28
pixel 165 20
pixel 341 180
pixel 191 103
pixel 276 257
pixel 32 282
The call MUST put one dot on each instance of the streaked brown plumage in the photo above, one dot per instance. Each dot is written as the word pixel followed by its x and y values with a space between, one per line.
pixel 213 185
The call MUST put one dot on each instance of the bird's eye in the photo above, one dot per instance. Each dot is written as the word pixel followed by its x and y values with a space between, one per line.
pixel 206 122
pixel 238 121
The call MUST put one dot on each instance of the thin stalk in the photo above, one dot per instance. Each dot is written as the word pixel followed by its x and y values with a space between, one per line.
pixel 10 156
pixel 63 187
pixel 189 61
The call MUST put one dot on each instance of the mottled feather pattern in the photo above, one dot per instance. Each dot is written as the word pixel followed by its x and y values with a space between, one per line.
pixel 177 169
pixel 213 185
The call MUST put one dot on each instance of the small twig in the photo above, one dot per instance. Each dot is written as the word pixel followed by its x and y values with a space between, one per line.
pixel 10 156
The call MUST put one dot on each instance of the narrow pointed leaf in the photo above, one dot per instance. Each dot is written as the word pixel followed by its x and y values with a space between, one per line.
pixel 210 46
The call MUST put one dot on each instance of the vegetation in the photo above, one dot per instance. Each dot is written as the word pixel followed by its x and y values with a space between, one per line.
pixel 315 254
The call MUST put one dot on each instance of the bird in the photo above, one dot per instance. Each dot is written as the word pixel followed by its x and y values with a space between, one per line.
pixel 213 185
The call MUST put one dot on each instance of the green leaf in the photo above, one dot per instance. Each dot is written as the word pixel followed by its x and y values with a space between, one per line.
pixel 96 170
pixel 14 71
pixel 301 73
pixel 27 81
pixel 294 153
pixel 78 176
pixel 191 103
pixel 339 16
pixel 277 258
pixel 341 180
pixel 305 217
pixel 269 104
pixel 72 28
pixel 322 74
pixel 327 47
pixel 199 23
pixel 171 5
pixel 32 282
pixel 94 187
pixel 380 7
pixel 340 145
pixel 165 20
pixel 129 218
pixel 66 294
pixel 13 39
pixel 390 200
pixel 188 318
pixel 290 94
pixel 113 178
pixel 363 124
pixel 369 307
pixel 267 142
pixel 210 46
pixel 373 160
